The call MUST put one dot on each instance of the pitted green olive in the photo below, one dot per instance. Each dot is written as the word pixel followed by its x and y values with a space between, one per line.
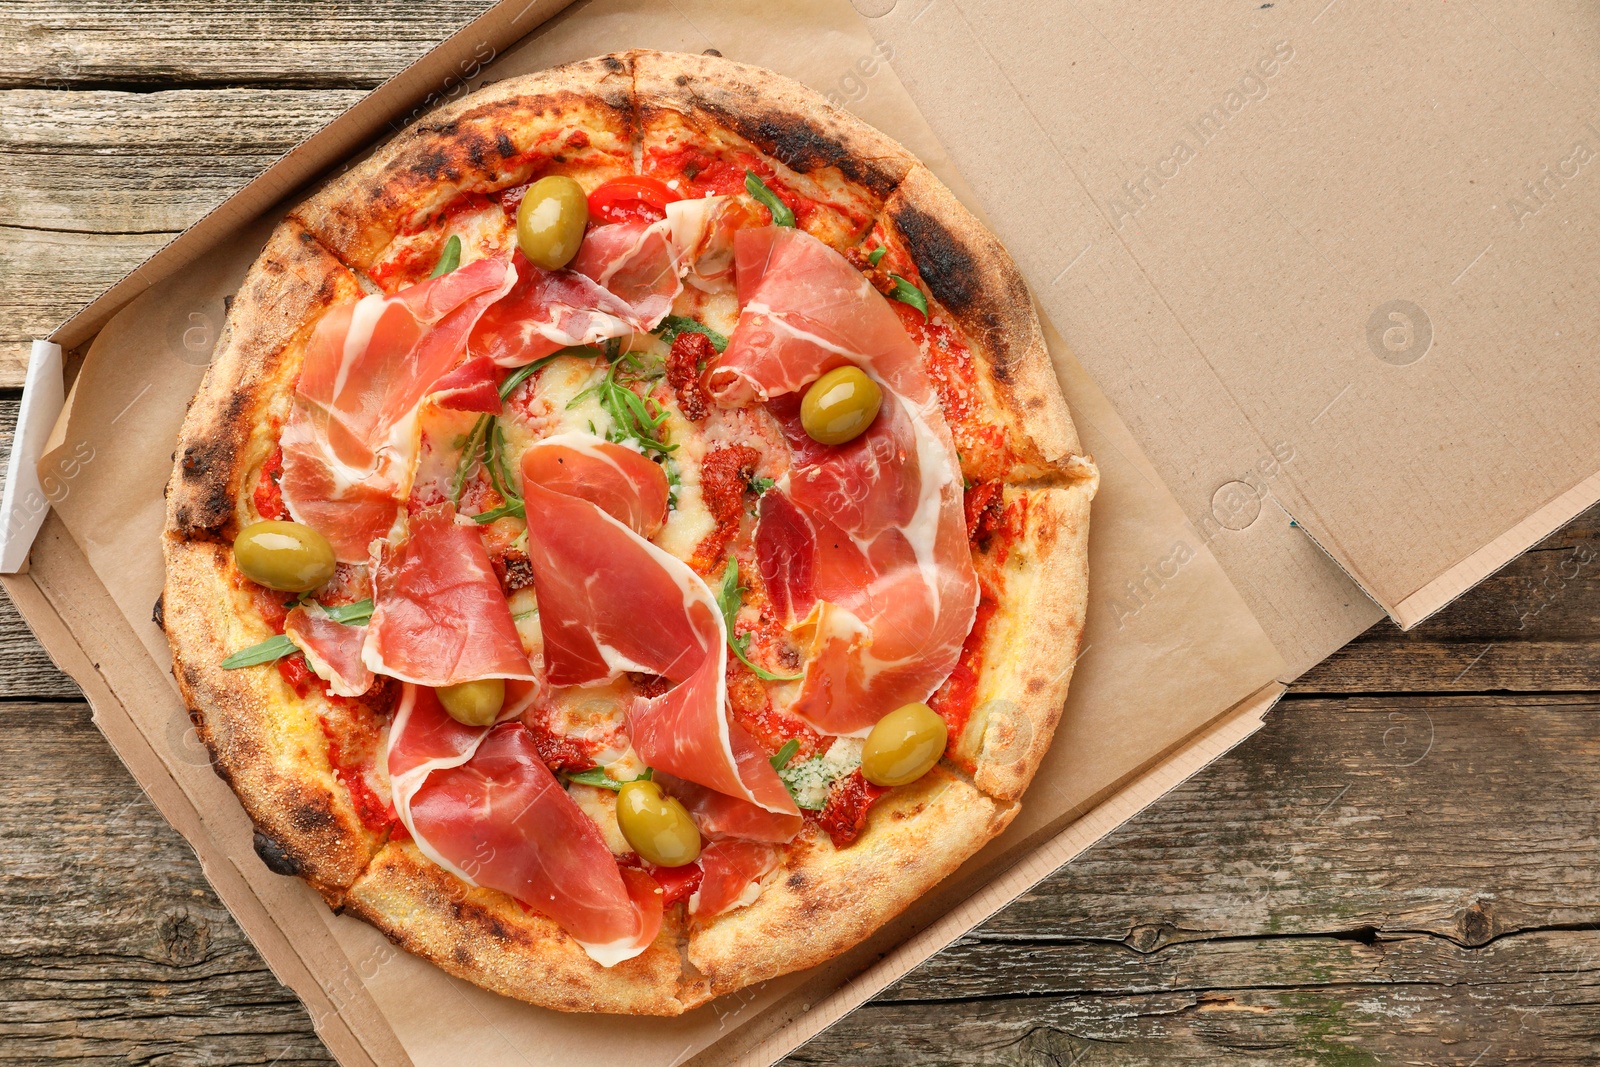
pixel 840 405
pixel 903 746
pixel 657 826
pixel 284 555
pixel 474 703
pixel 550 221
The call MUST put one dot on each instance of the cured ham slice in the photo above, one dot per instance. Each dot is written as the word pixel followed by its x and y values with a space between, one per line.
pixel 730 870
pixel 473 386
pixel 332 648
pixel 703 232
pixel 479 802
pixel 350 440
pixel 548 310
pixel 721 816
pixel 620 481
pixel 610 601
pixel 439 616
pixel 636 262
pixel 863 546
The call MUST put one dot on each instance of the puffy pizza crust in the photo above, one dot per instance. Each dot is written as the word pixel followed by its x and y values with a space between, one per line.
pixel 263 740
pixel 824 900
pixel 268 744
pixel 488 939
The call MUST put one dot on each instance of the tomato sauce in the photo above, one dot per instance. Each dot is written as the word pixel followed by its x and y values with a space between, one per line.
pixel 954 699
pixel 724 479
pixel 268 497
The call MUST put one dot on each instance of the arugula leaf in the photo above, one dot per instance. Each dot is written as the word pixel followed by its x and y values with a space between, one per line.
pixel 523 373
pixel 781 215
pixel 907 293
pixel 673 325
pixel 876 254
pixel 760 485
pixel 597 776
pixel 729 595
pixel 449 259
pixel 781 758
pixel 635 418
pixel 277 647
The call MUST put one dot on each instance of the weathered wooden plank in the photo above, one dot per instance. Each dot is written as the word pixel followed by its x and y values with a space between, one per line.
pixel 141 163
pixel 46 275
pixel 100 180
pixel 1534 626
pixel 27 670
pixel 162 43
pixel 115 950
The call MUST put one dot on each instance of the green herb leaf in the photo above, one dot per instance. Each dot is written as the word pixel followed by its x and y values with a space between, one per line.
pixel 469 457
pixel 596 776
pixel 673 325
pixel 449 259
pixel 781 758
pixel 760 485
pixel 523 373
pixel 781 215
pixel 907 293
pixel 274 648
pixel 729 596
pixel 265 652
pixel 876 254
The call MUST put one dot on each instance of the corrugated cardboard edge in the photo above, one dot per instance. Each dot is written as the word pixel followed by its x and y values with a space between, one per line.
pixel 1496 554
pixel 36 596
pixel 335 144
pixel 767 1040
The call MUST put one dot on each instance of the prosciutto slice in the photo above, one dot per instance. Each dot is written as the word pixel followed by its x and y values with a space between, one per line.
pixel 439 616
pixel 863 546
pixel 610 601
pixel 473 386
pixel 479 802
pixel 729 869
pixel 331 648
pixel 548 310
pixel 636 262
pixel 350 439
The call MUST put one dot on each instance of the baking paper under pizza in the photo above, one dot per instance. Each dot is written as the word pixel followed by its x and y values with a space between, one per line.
pixel 630 543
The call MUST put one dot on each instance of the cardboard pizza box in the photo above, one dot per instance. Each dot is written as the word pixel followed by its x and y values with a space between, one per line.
pixel 1321 323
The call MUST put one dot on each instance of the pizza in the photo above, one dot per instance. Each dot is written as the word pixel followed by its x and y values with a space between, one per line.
pixel 630 542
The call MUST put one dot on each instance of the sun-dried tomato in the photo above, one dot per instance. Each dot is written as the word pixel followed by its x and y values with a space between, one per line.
pixel 844 816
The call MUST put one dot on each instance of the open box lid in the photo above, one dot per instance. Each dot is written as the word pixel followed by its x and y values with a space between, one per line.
pixel 1361 234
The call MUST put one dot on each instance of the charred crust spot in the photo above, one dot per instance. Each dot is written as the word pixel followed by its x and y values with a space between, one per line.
pixel 434 165
pixel 503 145
pixel 797 881
pixel 460 954
pixel 312 815
pixel 158 615
pixel 802 147
pixel 613 64
pixel 956 279
pixel 273 855
pixel 1035 685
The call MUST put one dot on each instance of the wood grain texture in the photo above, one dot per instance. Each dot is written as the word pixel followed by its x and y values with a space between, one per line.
pixel 180 43
pixel 98 181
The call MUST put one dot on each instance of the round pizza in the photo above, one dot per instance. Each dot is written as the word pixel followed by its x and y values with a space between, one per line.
pixel 630 542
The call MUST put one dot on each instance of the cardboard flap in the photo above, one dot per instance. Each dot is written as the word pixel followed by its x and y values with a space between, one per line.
pixel 1352 233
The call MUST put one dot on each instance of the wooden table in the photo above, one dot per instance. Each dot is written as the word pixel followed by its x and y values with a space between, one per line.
pixel 1402 866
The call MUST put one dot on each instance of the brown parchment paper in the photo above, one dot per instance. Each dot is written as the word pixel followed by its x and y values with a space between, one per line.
pixel 1170 645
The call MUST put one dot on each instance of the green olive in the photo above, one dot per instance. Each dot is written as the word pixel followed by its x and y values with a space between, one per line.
pixel 550 221
pixel 284 555
pixel 840 405
pixel 657 826
pixel 475 703
pixel 904 745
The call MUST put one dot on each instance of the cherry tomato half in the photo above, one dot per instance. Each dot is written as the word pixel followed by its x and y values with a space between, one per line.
pixel 631 198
